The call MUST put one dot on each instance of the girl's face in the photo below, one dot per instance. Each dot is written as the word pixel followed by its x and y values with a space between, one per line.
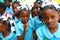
pixel 51 17
pixel 2 26
pixel 25 16
pixel 15 7
pixel 35 12
pixel 7 4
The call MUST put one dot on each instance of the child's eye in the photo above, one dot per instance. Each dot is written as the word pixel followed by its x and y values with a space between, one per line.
pixel 53 17
pixel 46 18
pixel 22 17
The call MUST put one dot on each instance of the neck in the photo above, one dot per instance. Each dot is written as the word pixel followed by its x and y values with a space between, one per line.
pixel 52 30
pixel 5 33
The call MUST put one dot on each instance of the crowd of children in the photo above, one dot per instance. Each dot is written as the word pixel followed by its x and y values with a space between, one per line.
pixel 18 22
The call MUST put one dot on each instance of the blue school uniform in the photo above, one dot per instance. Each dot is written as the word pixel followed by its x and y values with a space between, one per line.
pixel 37 22
pixel 11 36
pixel 16 20
pixel 30 15
pixel 20 28
pixel 10 10
pixel 44 33
pixel 17 25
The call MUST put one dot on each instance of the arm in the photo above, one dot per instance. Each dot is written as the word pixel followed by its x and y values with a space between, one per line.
pixel 35 36
pixel 21 37
pixel 39 34
pixel 23 34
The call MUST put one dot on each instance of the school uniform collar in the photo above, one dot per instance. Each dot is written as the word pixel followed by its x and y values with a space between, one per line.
pixel 9 7
pixel 9 36
pixel 37 20
pixel 16 20
pixel 22 25
pixel 57 33
pixel 47 33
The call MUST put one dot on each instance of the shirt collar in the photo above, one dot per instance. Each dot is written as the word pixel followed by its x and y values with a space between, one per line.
pixel 47 33
pixel 57 33
pixel 9 7
pixel 36 19
pixel 16 19
pixel 22 25
pixel 9 36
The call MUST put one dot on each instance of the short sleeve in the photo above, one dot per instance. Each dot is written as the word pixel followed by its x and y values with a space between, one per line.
pixel 39 34
pixel 18 30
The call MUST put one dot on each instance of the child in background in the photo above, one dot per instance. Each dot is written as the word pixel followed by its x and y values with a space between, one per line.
pixel 35 10
pixel 3 11
pixel 5 31
pixel 50 31
pixel 37 20
pixel 15 4
pixel 8 6
pixel 24 28
pixel 2 8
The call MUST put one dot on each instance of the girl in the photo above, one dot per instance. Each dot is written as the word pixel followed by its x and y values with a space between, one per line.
pixel 50 31
pixel 24 28
pixel 35 10
pixel 5 31
pixel 3 11
pixel 15 4
pixel 8 6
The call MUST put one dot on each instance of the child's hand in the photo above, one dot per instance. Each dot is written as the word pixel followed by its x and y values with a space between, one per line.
pixel 25 26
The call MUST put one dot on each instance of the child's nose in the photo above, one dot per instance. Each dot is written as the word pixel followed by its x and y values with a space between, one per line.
pixel 50 20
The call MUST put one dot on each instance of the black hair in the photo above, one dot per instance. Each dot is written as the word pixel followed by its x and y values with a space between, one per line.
pixel 16 2
pixel 5 1
pixel 40 14
pixel 32 9
pixel 39 2
pixel 8 1
pixel 17 14
pixel 49 7
pixel 24 9
pixel 2 5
